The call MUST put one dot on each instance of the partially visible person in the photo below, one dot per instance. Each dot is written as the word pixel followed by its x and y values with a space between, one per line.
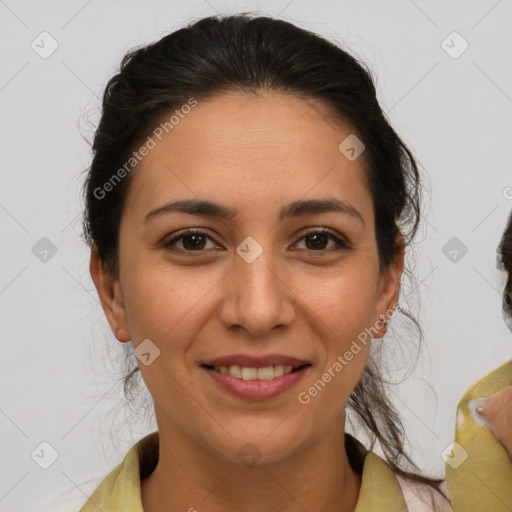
pixel 496 410
pixel 479 468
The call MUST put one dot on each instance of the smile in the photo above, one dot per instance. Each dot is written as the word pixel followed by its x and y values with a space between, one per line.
pixel 250 383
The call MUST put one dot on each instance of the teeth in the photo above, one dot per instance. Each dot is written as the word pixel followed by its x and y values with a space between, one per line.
pixel 235 371
pixel 245 373
pixel 266 373
pixel 249 373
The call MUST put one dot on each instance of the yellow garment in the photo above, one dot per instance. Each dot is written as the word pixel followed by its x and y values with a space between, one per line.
pixel 120 491
pixel 483 481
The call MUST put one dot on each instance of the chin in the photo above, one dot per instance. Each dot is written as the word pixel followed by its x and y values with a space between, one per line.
pixel 268 445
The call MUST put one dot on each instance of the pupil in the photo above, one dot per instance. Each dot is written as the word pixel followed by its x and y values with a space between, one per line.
pixel 316 243
pixel 195 244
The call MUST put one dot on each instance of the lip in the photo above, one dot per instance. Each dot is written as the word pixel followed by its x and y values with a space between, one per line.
pixel 256 361
pixel 256 389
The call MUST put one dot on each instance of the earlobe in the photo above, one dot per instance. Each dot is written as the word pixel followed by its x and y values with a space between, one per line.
pixel 110 296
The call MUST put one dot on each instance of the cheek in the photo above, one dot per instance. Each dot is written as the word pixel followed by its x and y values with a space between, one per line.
pixel 160 303
pixel 343 309
pixel 165 308
pixel 344 302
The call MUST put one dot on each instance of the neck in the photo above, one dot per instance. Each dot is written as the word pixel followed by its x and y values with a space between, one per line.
pixel 189 478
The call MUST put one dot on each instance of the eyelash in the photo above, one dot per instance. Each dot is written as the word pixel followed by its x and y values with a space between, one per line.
pixel 343 244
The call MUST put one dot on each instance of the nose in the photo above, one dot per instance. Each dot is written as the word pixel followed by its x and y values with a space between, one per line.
pixel 256 296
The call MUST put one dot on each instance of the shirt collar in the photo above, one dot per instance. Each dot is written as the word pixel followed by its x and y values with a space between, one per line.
pixel 121 489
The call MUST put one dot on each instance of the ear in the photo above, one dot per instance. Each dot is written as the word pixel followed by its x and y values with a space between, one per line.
pixel 389 288
pixel 111 298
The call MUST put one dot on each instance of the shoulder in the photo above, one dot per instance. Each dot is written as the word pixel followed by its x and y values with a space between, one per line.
pixel 421 497
pixel 120 490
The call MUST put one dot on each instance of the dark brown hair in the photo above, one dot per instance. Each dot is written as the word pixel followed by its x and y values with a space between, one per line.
pixel 243 53
pixel 505 263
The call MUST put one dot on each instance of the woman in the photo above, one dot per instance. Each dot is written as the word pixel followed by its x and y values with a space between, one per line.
pixel 248 207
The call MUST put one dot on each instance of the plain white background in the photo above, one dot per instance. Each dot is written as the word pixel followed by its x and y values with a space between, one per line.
pixel 58 365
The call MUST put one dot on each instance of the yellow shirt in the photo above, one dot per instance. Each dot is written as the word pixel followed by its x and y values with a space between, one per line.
pixel 381 490
pixel 479 470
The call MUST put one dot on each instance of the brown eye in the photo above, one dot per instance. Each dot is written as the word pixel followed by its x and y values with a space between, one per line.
pixel 317 241
pixel 191 241
pixel 194 241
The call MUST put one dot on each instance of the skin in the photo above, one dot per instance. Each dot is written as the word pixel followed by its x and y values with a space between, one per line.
pixel 497 412
pixel 255 154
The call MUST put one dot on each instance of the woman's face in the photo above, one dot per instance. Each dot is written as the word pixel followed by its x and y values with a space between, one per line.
pixel 261 283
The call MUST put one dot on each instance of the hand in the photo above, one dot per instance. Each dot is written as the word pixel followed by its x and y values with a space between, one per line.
pixel 496 411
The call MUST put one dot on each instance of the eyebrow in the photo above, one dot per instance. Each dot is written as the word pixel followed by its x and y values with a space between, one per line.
pixel 294 209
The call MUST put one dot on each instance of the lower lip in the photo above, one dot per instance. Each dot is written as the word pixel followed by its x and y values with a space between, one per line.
pixel 257 389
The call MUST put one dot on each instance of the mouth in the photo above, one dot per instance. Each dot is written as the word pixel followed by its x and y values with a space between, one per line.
pixel 255 383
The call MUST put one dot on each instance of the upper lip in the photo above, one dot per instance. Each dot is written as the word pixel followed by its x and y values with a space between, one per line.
pixel 256 361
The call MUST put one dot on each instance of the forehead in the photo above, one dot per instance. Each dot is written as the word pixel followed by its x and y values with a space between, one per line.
pixel 254 150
